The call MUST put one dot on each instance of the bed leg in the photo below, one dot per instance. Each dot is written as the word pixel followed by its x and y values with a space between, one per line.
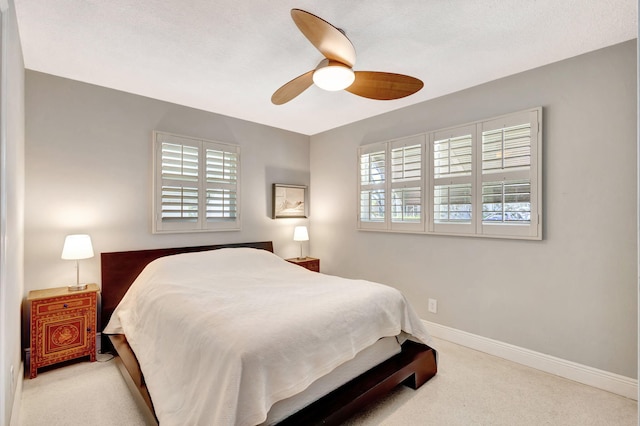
pixel 424 367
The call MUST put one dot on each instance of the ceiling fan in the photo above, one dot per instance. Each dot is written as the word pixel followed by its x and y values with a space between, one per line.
pixel 335 72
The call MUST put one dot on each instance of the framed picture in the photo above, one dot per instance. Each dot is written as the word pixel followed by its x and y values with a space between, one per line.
pixel 289 201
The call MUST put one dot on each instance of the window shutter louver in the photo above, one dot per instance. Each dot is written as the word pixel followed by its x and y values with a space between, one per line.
pixel 506 149
pixel 452 157
pixel 406 163
pixel 372 205
pixel 179 203
pixel 179 162
pixel 221 204
pixel 506 202
pixel 372 168
pixel 406 204
pixel 452 203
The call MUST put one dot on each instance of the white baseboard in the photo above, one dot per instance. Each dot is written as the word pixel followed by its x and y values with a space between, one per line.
pixel 600 379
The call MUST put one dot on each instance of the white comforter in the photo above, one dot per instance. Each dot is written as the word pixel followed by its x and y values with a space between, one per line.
pixel 224 334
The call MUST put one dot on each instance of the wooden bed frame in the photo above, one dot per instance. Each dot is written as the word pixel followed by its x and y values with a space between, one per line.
pixel 413 366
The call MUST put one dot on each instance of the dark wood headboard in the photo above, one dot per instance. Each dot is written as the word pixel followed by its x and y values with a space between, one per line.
pixel 120 269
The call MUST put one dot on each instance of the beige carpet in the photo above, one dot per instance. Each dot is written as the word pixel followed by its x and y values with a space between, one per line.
pixel 80 394
pixel 471 388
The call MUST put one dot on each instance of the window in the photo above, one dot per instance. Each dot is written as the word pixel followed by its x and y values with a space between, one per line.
pixel 394 201
pixel 452 188
pixel 509 179
pixel 196 185
pixel 407 184
pixel 481 179
pixel 373 162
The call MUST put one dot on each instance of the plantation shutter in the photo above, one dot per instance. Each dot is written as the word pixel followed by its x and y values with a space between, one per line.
pixel 452 188
pixel 195 184
pixel 407 183
pixel 179 182
pixel 221 185
pixel 480 179
pixel 372 189
pixel 509 179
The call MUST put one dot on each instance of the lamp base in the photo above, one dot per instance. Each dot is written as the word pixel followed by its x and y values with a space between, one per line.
pixel 77 287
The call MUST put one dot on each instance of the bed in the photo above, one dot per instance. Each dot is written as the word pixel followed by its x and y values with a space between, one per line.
pixel 312 384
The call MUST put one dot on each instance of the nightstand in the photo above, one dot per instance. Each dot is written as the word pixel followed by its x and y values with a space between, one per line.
pixel 63 325
pixel 311 263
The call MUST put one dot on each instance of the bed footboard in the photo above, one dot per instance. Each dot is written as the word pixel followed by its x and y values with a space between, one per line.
pixel 414 366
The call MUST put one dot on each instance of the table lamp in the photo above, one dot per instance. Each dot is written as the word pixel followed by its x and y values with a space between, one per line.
pixel 77 247
pixel 300 234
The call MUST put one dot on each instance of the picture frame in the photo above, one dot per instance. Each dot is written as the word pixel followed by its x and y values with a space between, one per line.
pixel 288 201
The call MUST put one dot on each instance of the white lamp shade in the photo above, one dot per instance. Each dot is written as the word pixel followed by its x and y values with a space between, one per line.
pixel 300 233
pixel 76 247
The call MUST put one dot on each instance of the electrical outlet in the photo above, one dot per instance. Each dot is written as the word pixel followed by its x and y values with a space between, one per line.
pixel 433 306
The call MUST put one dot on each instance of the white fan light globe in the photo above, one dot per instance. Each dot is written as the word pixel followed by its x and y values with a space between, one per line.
pixel 334 77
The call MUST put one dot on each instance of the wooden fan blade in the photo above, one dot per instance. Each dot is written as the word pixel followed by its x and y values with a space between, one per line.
pixel 384 85
pixel 329 40
pixel 293 88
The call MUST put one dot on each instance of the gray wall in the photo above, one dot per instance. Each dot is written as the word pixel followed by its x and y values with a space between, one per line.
pixel 11 208
pixel 572 295
pixel 89 167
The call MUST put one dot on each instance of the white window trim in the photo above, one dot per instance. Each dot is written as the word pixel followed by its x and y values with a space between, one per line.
pixel 531 231
pixel 201 225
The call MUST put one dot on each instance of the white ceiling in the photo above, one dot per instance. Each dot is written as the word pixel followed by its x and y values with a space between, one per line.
pixel 229 56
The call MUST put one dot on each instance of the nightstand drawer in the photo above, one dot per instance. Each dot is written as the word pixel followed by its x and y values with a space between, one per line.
pixel 62 304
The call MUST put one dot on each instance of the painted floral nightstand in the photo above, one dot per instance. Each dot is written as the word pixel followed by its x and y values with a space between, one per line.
pixel 63 325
